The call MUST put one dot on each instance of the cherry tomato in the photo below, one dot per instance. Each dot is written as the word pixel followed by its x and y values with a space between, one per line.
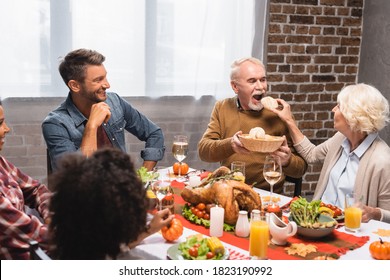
pixel 201 206
pixel 338 212
pixel 194 210
pixel 208 207
pixel 210 255
pixel 200 214
pixel 196 245
pixel 206 216
pixel 193 251
pixel 332 207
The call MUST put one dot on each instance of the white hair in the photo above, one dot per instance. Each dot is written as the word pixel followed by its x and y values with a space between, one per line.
pixel 235 67
pixel 364 108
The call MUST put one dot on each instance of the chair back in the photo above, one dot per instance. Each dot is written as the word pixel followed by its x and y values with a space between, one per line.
pixel 298 184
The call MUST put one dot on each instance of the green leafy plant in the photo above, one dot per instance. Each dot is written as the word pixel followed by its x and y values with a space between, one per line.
pixel 146 176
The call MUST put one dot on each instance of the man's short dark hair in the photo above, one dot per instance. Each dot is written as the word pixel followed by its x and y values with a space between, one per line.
pixel 73 66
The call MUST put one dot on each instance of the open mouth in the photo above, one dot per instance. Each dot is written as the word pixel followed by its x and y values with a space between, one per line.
pixel 258 97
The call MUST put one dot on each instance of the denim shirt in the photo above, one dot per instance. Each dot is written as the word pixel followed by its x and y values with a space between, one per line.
pixel 63 129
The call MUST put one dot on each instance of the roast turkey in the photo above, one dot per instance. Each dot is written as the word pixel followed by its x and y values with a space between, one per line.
pixel 222 189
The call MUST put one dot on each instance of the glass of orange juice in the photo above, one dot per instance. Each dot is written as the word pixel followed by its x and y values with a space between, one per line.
pixel 258 238
pixel 352 213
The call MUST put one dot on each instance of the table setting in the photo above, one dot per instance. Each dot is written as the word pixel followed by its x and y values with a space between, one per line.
pixel 218 204
pixel 339 243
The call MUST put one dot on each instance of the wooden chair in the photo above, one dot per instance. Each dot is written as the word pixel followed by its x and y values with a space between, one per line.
pixel 298 184
pixel 36 253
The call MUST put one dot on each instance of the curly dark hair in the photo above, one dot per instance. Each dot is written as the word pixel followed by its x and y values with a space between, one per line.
pixel 98 204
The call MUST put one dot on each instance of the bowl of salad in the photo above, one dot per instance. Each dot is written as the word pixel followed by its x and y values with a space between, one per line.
pixel 310 222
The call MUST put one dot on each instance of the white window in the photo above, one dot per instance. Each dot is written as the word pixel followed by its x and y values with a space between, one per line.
pixel 152 47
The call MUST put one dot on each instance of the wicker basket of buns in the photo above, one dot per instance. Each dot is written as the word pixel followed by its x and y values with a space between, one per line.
pixel 256 142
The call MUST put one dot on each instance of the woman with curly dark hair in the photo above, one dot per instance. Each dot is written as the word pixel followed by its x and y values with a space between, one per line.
pixel 99 207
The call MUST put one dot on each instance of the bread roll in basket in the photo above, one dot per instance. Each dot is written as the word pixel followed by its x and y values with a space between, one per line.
pixel 268 144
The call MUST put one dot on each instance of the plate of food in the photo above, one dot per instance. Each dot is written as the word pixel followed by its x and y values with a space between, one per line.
pixel 197 247
pixel 332 211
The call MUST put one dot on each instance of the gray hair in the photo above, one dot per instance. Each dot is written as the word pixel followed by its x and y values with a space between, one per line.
pixel 364 108
pixel 235 67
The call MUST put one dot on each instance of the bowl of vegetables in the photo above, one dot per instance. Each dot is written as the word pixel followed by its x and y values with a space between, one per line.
pixel 311 223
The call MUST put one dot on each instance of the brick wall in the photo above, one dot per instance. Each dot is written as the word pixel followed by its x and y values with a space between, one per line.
pixel 313 52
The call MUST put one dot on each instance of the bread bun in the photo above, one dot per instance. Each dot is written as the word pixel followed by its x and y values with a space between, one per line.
pixel 269 102
pixel 257 133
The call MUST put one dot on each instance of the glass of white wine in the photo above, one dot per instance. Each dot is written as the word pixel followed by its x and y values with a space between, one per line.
pixel 163 190
pixel 180 151
pixel 272 173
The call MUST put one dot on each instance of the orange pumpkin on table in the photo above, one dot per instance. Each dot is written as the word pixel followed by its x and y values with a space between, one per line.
pixel 380 250
pixel 173 231
pixel 183 168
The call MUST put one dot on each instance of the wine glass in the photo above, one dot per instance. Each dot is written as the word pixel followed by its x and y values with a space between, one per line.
pixel 272 172
pixel 161 189
pixel 180 151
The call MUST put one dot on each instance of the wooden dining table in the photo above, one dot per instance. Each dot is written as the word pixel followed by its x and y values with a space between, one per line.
pixel 342 244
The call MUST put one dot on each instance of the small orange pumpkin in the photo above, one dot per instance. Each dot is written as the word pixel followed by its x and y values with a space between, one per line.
pixel 380 250
pixel 173 231
pixel 183 168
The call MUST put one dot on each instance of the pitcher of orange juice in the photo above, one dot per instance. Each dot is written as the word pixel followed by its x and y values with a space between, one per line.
pixel 352 212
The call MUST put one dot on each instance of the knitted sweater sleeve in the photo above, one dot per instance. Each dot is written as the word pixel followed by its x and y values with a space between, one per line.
pixel 213 146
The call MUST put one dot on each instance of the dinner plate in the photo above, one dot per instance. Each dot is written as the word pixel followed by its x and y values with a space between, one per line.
pixel 174 253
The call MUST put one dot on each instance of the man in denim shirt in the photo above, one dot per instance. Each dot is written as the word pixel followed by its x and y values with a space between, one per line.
pixel 92 118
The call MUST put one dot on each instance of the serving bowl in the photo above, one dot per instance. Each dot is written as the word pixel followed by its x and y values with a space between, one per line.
pixel 268 144
pixel 315 233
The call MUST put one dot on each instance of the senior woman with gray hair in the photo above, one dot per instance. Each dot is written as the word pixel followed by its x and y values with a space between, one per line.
pixel 355 159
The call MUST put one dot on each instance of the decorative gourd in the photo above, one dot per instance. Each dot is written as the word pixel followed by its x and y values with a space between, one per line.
pixel 380 250
pixel 173 231
pixel 182 166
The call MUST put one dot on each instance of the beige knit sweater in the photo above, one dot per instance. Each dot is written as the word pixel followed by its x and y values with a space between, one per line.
pixel 373 176
pixel 226 119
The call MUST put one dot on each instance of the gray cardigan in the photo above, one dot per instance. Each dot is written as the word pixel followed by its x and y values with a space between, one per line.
pixel 373 176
